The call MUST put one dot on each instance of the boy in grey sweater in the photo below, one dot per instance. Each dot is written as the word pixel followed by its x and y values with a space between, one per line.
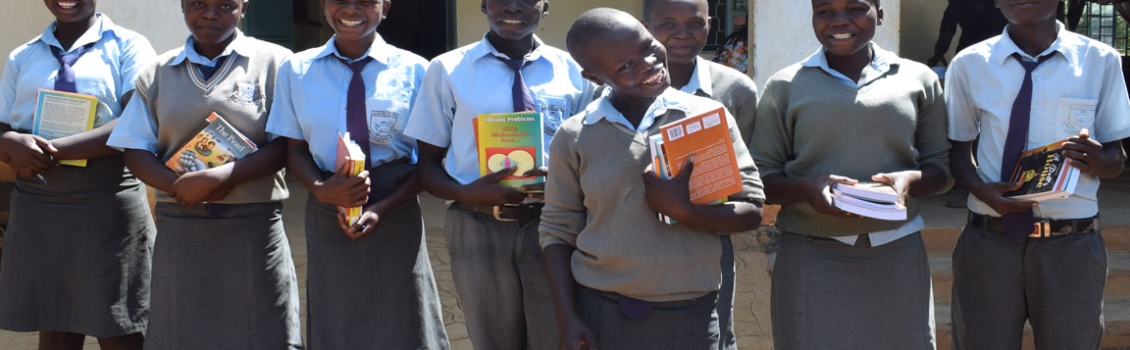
pixel 605 250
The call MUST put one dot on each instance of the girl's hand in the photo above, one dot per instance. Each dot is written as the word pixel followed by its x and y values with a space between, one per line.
pixel 29 154
pixel 818 194
pixel 370 217
pixel 343 190
pixel 671 197
pixel 194 187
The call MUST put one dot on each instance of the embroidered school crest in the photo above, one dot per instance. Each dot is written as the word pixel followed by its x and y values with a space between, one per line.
pixel 382 126
pixel 246 93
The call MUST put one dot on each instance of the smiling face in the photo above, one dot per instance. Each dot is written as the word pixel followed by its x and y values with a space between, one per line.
pixel 845 27
pixel 629 60
pixel 1023 13
pixel 514 19
pixel 681 25
pixel 70 11
pixel 213 22
pixel 355 20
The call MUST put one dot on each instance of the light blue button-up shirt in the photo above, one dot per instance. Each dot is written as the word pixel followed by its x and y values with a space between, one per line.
pixel 311 95
pixel 880 64
pixel 469 81
pixel 189 53
pixel 107 71
pixel 603 109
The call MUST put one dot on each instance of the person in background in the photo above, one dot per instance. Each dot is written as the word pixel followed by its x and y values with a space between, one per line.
pixel 978 19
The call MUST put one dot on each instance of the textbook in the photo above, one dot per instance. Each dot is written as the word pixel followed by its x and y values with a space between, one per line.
pixel 352 159
pixel 871 199
pixel 1045 172
pixel 218 143
pixel 510 140
pixel 60 113
pixel 660 167
pixel 707 136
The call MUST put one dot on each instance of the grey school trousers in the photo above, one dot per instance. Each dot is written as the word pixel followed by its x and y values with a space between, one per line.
pixel 1056 284
pixel 498 274
pixel 830 295
pixel 677 325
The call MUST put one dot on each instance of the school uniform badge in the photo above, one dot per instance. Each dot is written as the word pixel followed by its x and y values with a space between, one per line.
pixel 246 93
pixel 553 111
pixel 382 126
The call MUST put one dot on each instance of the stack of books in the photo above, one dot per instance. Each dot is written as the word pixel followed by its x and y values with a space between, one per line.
pixel 870 199
pixel 707 137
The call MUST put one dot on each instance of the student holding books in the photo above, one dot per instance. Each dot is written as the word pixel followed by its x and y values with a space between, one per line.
pixel 77 255
pixel 369 282
pixel 223 277
pixel 842 281
pixel 621 278
pixel 682 26
pixel 492 229
pixel 1018 261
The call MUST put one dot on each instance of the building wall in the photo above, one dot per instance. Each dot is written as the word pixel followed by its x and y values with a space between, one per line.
pixel 160 21
pixel 782 35
pixel 921 19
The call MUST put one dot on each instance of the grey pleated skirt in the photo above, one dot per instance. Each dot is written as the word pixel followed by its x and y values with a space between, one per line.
pixel 377 292
pixel 223 278
pixel 77 257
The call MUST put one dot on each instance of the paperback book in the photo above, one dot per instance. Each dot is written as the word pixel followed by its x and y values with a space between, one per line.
pixel 351 158
pixel 510 140
pixel 707 137
pixel 871 199
pixel 1046 174
pixel 218 143
pixel 61 113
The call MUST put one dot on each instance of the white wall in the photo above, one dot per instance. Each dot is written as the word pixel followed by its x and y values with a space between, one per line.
pixel 159 20
pixel 782 34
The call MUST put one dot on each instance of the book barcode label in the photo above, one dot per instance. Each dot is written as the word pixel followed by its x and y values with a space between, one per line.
pixel 675 133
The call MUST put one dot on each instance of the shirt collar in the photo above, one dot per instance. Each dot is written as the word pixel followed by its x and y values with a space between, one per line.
pixel 484 48
pixel 1064 43
pixel 602 108
pixel 378 50
pixel 700 79
pixel 881 63
pixel 238 45
pixel 102 25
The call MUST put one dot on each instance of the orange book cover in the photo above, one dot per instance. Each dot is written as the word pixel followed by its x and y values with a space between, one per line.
pixel 707 136
pixel 352 158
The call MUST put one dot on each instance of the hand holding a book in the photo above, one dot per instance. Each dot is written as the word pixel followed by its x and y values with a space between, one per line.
pixel 669 197
pixel 1089 156
pixel 535 190
pixel 900 181
pixel 28 154
pixel 343 190
pixel 818 193
pixel 993 194
pixel 199 186
pixel 487 191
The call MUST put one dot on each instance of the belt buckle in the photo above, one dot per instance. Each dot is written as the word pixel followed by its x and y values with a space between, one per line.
pixel 1041 229
pixel 498 213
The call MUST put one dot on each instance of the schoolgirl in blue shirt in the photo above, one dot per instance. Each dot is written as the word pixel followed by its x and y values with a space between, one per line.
pixel 223 277
pixel 369 282
pixel 77 256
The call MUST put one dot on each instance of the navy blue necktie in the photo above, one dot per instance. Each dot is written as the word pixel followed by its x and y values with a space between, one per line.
pixel 523 101
pixel 207 71
pixel 355 122
pixel 65 80
pixel 1019 225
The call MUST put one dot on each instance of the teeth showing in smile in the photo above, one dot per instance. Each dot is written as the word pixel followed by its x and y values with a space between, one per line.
pixel 67 4
pixel 511 21
pixel 841 36
pixel 351 23
pixel 657 78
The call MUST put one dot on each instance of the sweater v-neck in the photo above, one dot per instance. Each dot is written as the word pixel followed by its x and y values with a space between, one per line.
pixel 206 86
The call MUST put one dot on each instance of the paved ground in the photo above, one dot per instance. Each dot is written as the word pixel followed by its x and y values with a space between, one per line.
pixel 751 306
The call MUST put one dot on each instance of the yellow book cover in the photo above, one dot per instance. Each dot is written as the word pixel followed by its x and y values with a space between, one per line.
pixel 508 140
pixel 352 158
pixel 60 113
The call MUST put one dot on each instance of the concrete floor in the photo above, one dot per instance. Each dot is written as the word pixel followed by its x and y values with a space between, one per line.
pixel 752 298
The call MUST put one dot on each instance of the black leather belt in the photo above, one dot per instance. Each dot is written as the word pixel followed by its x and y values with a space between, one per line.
pixel 508 212
pixel 1043 228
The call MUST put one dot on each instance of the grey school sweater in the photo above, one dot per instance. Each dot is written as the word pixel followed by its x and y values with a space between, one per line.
pixel 809 124
pixel 734 90
pixel 241 91
pixel 595 201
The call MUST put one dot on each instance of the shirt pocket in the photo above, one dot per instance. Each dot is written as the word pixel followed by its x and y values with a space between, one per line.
pixel 554 111
pixel 385 119
pixel 1074 114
